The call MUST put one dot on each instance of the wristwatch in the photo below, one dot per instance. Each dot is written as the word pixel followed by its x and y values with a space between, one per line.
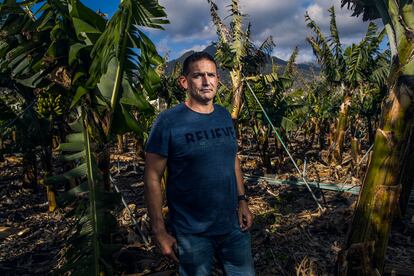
pixel 242 197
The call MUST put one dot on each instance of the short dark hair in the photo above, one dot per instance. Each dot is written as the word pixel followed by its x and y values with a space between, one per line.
pixel 196 56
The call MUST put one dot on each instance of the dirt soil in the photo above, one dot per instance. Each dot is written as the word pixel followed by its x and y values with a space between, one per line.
pixel 289 236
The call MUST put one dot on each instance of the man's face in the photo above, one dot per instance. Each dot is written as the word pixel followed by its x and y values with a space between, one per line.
pixel 201 81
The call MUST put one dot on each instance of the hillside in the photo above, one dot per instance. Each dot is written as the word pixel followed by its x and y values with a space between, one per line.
pixel 308 71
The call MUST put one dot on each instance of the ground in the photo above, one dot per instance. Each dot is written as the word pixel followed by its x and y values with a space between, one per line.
pixel 289 236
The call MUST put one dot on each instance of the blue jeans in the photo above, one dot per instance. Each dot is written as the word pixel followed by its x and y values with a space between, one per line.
pixel 196 253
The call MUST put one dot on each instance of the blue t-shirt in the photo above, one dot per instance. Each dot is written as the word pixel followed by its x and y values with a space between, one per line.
pixel 201 184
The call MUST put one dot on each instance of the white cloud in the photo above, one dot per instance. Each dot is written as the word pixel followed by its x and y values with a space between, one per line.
pixel 306 56
pixel 188 19
pixel 191 26
pixel 195 48
pixel 316 12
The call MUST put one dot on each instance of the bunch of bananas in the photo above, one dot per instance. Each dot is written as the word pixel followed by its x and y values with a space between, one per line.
pixel 49 104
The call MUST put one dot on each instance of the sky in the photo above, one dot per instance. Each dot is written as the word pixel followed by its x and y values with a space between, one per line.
pixel 191 27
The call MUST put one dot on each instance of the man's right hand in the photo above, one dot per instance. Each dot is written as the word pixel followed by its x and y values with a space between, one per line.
pixel 154 169
pixel 167 244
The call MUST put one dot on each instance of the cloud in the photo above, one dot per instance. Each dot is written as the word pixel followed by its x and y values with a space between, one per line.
pixel 189 20
pixel 191 26
pixel 195 48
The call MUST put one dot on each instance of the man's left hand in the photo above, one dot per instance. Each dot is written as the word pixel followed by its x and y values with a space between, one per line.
pixel 245 216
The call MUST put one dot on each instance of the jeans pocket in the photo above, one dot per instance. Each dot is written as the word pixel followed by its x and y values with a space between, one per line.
pixel 194 248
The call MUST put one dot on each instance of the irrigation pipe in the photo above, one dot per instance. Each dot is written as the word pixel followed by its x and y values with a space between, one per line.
pixel 345 188
pixel 366 154
pixel 285 147
pixel 336 187
pixel 144 239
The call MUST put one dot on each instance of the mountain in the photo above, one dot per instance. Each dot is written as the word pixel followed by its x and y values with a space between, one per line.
pixel 308 70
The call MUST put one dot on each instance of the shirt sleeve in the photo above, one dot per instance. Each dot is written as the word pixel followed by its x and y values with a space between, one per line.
pixel 159 137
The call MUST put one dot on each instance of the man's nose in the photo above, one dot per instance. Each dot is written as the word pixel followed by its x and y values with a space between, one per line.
pixel 204 77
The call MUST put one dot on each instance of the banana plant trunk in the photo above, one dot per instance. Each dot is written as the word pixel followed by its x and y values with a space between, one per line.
pixel 388 173
pixel 104 165
pixel 51 198
pixel 355 149
pixel 264 148
pixel 121 143
pixel 313 132
pixel 341 127
pixel 29 174
pixel 370 130
pixel 331 134
pixel 237 89
pixel 100 126
pixel 322 126
pixel 261 135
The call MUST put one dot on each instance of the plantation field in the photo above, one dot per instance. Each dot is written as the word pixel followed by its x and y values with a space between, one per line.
pixel 289 236
pixel 326 147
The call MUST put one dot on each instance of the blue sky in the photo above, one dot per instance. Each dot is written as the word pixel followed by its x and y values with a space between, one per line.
pixel 191 28
pixel 108 6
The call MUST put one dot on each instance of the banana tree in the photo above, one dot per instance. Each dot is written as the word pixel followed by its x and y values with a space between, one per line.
pixel 345 69
pixel 245 62
pixel 24 128
pixel 89 250
pixel 366 67
pixel 390 172
pixel 114 67
pixel 318 106
pixel 236 53
pixel 171 91
pixel 329 54
pixel 113 70
pixel 70 45
pixel 109 70
pixel 270 90
pixel 34 51
pixel 14 67
pixel 367 99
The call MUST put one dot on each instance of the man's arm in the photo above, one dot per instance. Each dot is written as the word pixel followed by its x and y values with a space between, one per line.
pixel 154 169
pixel 245 216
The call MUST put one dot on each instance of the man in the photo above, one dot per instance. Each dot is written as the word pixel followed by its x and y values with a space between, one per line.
pixel 208 208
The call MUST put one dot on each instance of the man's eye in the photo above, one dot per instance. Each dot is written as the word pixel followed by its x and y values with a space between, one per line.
pixel 211 75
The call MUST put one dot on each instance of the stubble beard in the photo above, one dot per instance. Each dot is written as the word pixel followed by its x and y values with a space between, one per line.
pixel 198 97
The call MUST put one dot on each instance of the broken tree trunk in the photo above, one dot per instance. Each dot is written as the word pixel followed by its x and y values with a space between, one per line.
pixel 342 125
pixel 355 149
pixel 237 91
pixel 378 201
pixel 121 143
pixel 393 144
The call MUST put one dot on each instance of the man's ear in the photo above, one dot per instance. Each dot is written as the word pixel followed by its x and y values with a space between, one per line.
pixel 183 82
